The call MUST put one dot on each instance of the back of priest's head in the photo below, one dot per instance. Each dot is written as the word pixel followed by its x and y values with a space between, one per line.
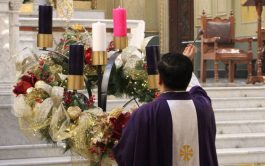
pixel 175 71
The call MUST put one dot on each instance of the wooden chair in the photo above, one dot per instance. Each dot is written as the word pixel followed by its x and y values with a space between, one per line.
pixel 218 44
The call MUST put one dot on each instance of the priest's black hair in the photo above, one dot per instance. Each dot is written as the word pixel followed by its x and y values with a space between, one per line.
pixel 175 71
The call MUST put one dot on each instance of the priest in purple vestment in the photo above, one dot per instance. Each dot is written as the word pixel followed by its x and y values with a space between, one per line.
pixel 176 129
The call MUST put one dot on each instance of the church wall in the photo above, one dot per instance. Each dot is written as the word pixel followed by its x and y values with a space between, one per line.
pixel 146 10
pixel 246 21
pixel 245 26
pixel 212 8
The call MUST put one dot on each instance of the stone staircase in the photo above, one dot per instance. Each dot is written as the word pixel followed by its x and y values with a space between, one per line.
pixel 240 121
pixel 5 94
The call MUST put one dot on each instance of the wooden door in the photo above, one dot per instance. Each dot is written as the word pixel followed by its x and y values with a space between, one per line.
pixel 181 23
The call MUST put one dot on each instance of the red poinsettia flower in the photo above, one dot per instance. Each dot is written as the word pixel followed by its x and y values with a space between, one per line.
pixel 118 124
pixel 68 97
pixel 32 79
pixel 88 56
pixel 21 87
pixel 26 81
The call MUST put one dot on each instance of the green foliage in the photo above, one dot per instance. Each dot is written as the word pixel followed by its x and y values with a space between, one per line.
pixel 117 82
pixel 27 1
pixel 68 144
pixel 45 135
pixel 132 84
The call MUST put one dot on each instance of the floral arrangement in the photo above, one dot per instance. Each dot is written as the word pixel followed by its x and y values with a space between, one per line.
pixel 44 106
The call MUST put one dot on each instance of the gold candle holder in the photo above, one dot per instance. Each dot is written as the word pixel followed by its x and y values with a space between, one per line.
pixel 99 58
pixel 44 40
pixel 75 82
pixel 153 81
pixel 120 42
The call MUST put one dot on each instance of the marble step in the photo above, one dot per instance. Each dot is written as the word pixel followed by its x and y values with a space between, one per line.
pixel 233 156
pixel 230 114
pixel 68 159
pixel 240 140
pixel 218 103
pixel 240 126
pixel 6 87
pixel 238 102
pixel 31 151
pixel 253 113
pixel 50 161
pixel 6 100
pixel 6 97
pixel 226 157
pixel 250 91
pixel 54 161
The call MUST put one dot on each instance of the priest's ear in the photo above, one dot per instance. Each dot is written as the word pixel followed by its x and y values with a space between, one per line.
pixel 160 84
pixel 160 81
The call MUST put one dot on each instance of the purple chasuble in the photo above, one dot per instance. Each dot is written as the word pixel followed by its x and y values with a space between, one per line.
pixel 147 139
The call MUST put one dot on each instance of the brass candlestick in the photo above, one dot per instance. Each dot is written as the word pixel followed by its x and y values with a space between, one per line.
pixel 75 82
pixel 153 81
pixel 44 40
pixel 120 42
pixel 99 58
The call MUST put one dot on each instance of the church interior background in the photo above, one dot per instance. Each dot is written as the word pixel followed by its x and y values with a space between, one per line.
pixel 239 107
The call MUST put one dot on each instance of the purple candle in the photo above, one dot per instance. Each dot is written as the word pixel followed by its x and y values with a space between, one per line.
pixel 152 58
pixel 45 19
pixel 76 60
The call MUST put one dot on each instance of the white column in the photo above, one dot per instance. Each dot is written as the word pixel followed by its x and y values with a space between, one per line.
pixel 5 75
pixel 14 26
pixel 9 35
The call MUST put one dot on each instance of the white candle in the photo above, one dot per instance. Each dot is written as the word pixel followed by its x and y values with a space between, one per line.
pixel 99 36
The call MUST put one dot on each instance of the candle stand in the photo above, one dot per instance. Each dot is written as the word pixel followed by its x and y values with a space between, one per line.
pixel 103 78
pixel 104 82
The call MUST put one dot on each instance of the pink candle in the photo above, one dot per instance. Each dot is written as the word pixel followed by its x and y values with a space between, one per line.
pixel 119 22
